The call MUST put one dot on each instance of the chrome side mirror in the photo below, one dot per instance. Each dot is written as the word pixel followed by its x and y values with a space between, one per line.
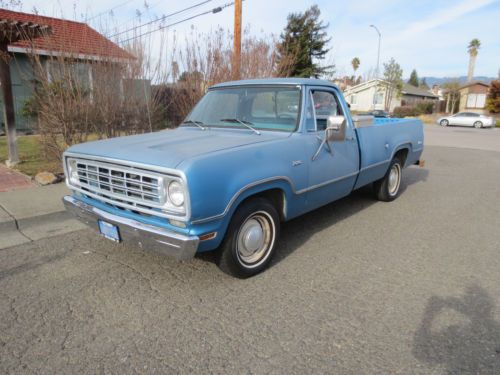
pixel 335 128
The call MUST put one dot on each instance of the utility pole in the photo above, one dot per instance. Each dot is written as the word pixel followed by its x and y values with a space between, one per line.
pixel 378 53
pixel 237 39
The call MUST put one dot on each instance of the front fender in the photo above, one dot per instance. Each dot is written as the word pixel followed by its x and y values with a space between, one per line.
pixel 219 223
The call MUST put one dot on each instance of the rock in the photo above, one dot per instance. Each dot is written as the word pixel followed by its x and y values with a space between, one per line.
pixel 46 178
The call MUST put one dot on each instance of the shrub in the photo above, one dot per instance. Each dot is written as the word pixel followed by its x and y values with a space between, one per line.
pixel 425 107
pixel 405 111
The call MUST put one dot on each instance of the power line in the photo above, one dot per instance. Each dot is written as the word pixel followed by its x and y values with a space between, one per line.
pixel 160 19
pixel 109 10
pixel 214 10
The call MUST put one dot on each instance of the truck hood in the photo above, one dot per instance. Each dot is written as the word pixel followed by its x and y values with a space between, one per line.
pixel 169 148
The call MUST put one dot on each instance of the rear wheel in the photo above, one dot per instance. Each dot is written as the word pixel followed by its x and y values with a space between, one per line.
pixel 444 123
pixel 478 124
pixel 250 240
pixel 387 188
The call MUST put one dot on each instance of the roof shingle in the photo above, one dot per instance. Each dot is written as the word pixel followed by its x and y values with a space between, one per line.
pixel 71 37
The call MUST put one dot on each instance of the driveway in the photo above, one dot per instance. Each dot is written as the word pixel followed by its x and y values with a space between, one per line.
pixel 359 287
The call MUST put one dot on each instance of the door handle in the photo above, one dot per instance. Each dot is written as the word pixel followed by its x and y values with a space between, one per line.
pixel 349 138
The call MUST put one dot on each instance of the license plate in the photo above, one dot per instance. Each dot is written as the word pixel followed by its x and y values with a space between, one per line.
pixel 109 231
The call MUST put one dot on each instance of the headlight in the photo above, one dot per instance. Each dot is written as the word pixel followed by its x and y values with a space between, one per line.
pixel 73 172
pixel 176 193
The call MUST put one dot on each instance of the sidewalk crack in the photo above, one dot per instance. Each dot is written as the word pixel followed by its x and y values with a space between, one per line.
pixel 15 223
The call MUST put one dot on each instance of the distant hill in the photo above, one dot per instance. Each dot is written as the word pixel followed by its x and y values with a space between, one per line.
pixel 463 79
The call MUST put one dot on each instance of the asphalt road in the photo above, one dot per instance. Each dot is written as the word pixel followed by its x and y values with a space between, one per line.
pixel 359 287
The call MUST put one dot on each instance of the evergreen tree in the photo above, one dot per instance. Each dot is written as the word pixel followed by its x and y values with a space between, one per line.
pixel 423 84
pixel 413 78
pixel 303 41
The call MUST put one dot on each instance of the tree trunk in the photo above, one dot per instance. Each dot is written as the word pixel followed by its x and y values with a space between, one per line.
pixel 472 65
pixel 8 105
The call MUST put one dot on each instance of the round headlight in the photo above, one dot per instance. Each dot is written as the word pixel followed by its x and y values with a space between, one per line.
pixel 176 193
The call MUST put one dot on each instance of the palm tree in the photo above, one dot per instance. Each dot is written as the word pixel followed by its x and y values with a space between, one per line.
pixel 355 64
pixel 473 48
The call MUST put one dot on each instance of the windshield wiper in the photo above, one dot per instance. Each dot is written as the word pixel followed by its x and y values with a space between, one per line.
pixel 197 123
pixel 244 123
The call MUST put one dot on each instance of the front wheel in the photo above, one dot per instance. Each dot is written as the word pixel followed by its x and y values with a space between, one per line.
pixel 478 124
pixel 444 122
pixel 250 240
pixel 387 188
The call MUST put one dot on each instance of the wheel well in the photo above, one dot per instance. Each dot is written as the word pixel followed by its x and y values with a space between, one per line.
pixel 275 196
pixel 402 155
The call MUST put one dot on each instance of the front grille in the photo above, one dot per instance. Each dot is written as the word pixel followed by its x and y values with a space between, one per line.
pixel 138 190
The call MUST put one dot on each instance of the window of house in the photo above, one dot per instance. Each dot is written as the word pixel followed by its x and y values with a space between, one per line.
pixel 353 99
pixel 476 100
pixel 378 98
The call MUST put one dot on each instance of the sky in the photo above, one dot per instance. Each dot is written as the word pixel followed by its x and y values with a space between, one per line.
pixel 430 36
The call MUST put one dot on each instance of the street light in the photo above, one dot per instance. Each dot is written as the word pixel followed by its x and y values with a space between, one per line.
pixel 378 53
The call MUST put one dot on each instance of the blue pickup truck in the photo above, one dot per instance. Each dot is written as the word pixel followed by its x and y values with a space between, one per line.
pixel 250 155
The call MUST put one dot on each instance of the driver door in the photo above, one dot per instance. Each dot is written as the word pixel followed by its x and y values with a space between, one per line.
pixel 331 174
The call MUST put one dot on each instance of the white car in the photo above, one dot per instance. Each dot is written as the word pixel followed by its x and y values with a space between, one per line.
pixel 467 119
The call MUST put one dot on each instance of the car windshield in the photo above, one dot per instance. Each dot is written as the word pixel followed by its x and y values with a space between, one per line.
pixel 263 108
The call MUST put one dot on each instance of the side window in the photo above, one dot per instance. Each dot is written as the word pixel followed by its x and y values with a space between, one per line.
pixel 325 105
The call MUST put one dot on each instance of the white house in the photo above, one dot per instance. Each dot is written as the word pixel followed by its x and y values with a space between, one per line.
pixel 370 95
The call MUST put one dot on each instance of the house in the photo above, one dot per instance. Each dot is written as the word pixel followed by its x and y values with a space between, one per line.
pixel 473 97
pixel 371 95
pixel 68 40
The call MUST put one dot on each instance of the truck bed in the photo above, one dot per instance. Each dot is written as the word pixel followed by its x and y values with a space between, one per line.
pixel 381 139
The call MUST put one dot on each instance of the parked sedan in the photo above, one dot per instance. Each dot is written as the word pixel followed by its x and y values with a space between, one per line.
pixel 467 119
pixel 380 114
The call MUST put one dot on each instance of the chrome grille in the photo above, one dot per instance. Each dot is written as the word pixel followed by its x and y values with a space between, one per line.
pixel 133 188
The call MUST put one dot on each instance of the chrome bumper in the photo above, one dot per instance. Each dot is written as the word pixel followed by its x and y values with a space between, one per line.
pixel 161 240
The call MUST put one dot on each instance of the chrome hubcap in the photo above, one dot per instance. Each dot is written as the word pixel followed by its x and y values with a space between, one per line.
pixel 255 239
pixel 394 179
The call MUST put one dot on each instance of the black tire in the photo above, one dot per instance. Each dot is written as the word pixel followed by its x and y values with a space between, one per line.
pixel 385 190
pixel 444 123
pixel 478 124
pixel 233 257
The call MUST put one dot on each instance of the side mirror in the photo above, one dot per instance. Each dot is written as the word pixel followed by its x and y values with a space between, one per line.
pixel 335 128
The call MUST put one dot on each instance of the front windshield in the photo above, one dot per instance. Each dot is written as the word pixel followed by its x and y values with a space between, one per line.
pixel 263 108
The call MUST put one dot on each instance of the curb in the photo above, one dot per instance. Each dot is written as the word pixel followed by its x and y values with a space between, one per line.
pixel 51 218
pixel 8 225
pixel 17 232
pixel 12 224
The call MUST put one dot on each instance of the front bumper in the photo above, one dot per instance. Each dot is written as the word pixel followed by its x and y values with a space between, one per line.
pixel 164 241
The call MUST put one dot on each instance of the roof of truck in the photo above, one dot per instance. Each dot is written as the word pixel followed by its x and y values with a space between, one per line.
pixel 277 81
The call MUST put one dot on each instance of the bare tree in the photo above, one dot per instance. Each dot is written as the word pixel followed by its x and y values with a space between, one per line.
pixel 452 94
pixel 392 82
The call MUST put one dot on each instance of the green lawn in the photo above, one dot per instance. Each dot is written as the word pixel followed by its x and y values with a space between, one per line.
pixel 31 155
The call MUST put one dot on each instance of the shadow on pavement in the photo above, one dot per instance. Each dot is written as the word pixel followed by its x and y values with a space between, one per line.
pixel 460 334
pixel 297 231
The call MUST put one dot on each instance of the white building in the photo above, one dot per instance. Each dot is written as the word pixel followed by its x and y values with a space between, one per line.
pixel 370 95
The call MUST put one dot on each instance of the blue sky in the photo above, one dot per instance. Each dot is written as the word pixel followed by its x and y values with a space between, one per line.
pixel 429 35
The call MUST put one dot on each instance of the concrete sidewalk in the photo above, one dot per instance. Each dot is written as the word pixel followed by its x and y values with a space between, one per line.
pixel 33 213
